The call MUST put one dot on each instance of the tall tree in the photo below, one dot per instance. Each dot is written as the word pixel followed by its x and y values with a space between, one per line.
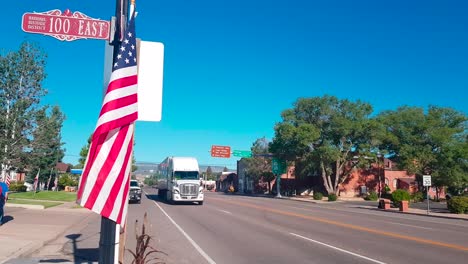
pixel 84 153
pixel 46 144
pixel 259 165
pixel 21 75
pixel 428 142
pixel 325 135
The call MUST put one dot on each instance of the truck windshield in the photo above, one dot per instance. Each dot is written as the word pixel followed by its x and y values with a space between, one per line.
pixel 186 175
pixel 134 184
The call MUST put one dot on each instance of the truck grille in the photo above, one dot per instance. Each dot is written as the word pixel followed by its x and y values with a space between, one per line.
pixel 189 189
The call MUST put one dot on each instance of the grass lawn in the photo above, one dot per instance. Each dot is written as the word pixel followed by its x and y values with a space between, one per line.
pixel 45 204
pixel 45 195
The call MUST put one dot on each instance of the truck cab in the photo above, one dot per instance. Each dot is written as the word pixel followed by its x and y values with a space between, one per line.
pixel 179 180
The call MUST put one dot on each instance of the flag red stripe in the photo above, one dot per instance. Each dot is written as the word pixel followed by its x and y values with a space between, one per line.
pixel 122 83
pixel 118 103
pixel 124 200
pixel 94 150
pixel 106 167
pixel 109 205
pixel 116 123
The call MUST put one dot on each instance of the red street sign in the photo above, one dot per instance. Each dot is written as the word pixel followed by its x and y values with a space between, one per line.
pixel 65 26
pixel 221 151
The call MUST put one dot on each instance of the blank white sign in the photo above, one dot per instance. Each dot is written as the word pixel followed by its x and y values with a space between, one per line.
pixel 150 80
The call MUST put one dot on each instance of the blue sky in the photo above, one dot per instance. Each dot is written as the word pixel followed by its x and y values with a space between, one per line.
pixel 231 67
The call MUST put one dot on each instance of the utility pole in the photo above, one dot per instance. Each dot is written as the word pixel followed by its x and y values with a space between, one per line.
pixel 108 235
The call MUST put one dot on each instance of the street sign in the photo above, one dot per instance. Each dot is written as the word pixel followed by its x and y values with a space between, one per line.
pixel 427 180
pixel 66 26
pixel 278 166
pixel 242 153
pixel 220 151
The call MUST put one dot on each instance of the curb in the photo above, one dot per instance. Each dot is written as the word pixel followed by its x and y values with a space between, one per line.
pixel 27 206
pixel 420 214
pixel 376 209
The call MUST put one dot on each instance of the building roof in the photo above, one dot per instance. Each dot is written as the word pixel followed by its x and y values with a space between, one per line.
pixel 407 180
pixel 62 167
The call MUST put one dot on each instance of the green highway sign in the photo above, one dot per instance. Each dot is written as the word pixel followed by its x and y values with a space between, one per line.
pixel 278 166
pixel 242 153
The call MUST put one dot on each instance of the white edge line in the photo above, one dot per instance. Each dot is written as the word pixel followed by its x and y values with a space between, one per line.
pixel 339 249
pixel 393 223
pixel 227 212
pixel 195 245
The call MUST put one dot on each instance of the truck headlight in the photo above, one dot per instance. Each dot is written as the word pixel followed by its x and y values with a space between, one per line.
pixel 176 191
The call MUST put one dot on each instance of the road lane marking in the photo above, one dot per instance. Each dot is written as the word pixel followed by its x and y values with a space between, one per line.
pixel 349 226
pixel 224 211
pixel 194 244
pixel 339 249
pixel 410 225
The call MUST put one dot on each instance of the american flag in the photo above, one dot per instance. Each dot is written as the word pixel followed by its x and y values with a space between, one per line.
pixel 7 180
pixel 36 179
pixel 104 183
pixel 56 182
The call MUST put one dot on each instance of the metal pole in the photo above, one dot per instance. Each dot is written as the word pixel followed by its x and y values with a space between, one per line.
pixel 427 197
pixel 278 188
pixel 107 239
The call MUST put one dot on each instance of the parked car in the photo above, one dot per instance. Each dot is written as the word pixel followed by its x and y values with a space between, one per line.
pixel 135 191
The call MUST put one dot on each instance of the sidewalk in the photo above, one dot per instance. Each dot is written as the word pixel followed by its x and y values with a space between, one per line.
pixel 42 235
pixel 433 212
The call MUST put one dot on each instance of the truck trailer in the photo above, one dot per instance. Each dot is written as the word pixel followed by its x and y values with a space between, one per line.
pixel 179 180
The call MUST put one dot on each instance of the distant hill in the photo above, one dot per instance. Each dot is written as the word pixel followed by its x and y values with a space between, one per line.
pixel 149 168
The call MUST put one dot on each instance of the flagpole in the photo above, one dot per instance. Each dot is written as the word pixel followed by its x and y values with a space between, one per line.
pixel 107 243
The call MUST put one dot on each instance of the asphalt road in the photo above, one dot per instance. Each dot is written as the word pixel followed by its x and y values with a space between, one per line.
pixel 240 229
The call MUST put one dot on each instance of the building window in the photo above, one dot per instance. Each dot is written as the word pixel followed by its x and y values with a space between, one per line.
pixel 395 181
pixel 386 181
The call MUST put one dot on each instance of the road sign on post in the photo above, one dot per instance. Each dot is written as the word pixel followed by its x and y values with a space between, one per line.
pixel 221 151
pixel 66 26
pixel 427 183
pixel 427 180
pixel 278 166
pixel 242 153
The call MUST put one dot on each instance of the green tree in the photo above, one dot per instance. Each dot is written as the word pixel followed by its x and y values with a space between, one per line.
pixel 325 136
pixel 84 153
pixel 259 165
pixel 209 173
pixel 46 145
pixel 225 169
pixel 21 75
pixel 428 142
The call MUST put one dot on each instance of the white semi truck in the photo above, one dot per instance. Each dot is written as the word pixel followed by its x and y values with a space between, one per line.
pixel 179 180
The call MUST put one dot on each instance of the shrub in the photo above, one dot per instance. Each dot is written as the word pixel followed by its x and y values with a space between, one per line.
pixel 373 196
pixel 17 187
pixel 144 252
pixel 400 195
pixel 67 180
pixel 458 204
pixel 318 196
pixel 332 197
pixel 417 197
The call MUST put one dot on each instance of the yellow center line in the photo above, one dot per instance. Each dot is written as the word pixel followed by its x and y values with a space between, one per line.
pixel 350 226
